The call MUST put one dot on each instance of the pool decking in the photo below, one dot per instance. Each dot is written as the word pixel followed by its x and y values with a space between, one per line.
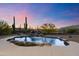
pixel 9 49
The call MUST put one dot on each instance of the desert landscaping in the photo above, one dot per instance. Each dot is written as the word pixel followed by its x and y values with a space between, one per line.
pixel 9 49
pixel 39 29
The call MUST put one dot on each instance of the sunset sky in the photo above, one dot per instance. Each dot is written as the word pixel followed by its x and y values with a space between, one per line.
pixel 37 14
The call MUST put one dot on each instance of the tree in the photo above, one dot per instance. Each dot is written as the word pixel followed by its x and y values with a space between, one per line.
pixel 48 28
pixel 4 28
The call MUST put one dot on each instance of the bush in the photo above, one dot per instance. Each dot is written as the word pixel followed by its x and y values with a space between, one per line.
pixel 48 28
pixel 72 31
pixel 5 29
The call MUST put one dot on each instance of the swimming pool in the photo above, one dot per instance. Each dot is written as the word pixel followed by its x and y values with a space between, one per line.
pixel 49 40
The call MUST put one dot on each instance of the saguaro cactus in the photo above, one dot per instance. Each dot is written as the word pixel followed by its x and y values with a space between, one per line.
pixel 25 24
pixel 13 26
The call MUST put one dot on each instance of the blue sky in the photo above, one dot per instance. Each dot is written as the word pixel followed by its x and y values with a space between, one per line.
pixel 62 14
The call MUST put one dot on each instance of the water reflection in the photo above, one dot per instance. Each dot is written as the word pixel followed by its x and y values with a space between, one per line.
pixel 53 41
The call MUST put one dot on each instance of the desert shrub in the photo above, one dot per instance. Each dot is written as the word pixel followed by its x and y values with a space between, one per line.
pixel 5 29
pixel 73 30
pixel 48 28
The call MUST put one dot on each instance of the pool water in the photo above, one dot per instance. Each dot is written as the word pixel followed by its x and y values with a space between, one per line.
pixel 50 40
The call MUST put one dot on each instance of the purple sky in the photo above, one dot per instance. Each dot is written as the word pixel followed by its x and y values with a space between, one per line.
pixel 59 14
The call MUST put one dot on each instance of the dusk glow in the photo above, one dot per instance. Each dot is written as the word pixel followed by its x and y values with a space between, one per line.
pixel 37 14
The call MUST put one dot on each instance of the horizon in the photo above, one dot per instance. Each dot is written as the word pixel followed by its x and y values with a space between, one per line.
pixel 60 14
